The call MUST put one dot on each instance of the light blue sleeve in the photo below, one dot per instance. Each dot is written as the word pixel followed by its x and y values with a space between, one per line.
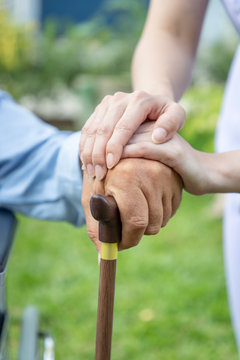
pixel 40 173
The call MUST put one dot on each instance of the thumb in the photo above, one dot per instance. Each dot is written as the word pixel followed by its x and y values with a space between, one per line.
pixel 168 123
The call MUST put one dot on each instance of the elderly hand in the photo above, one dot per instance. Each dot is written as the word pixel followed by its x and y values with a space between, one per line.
pixel 147 192
pixel 115 120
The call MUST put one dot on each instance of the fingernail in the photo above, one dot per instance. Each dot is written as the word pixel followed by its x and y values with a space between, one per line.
pixel 110 161
pixel 99 172
pixel 159 135
pixel 99 258
pixel 83 167
pixel 90 170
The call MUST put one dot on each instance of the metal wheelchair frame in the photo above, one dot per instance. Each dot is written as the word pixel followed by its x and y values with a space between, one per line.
pixel 30 335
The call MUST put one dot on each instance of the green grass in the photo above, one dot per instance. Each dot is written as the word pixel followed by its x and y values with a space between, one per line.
pixel 170 292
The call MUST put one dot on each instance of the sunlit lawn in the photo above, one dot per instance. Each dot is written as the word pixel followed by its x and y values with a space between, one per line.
pixel 170 293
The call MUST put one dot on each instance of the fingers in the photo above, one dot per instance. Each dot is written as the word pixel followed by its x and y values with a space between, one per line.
pixel 139 107
pixel 97 131
pixel 168 208
pixel 92 224
pixel 116 119
pixel 88 138
pixel 154 195
pixel 172 153
pixel 169 122
pixel 176 200
pixel 155 218
pixel 92 228
pixel 104 132
pixel 141 150
pixel 147 193
pixel 134 217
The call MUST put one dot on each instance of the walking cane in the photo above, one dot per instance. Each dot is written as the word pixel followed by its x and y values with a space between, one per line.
pixel 105 210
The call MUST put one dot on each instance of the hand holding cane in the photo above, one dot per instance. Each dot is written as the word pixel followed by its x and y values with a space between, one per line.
pixel 105 210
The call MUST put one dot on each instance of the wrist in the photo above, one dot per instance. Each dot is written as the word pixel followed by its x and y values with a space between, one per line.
pixel 212 174
pixel 198 171
pixel 218 173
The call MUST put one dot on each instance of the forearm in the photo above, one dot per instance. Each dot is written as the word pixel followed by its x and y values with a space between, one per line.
pixel 154 66
pixel 201 172
pixel 165 55
pixel 162 66
pixel 40 174
pixel 222 172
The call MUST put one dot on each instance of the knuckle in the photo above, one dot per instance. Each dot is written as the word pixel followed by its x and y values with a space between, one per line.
pixel 152 230
pixel 139 94
pixel 105 100
pixel 85 129
pixel 138 222
pixel 118 96
pixel 155 170
pixel 122 127
pixel 103 130
pixel 141 98
pixel 134 243
pixel 88 131
pixel 127 169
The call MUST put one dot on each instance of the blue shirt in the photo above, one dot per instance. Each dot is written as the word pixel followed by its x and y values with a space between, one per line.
pixel 40 173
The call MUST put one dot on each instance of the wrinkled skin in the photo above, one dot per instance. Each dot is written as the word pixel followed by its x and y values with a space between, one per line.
pixel 147 192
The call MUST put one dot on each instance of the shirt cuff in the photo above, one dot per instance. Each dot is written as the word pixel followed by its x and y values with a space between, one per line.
pixel 70 175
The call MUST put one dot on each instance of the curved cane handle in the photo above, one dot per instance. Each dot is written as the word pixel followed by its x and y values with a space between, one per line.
pixel 105 210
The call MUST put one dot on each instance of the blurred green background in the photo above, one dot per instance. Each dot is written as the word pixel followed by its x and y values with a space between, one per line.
pixel 171 299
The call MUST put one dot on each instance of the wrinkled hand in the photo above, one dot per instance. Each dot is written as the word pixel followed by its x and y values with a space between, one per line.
pixel 147 192
pixel 115 120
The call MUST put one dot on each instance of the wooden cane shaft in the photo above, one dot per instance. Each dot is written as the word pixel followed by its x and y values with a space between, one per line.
pixel 105 309
pixel 105 210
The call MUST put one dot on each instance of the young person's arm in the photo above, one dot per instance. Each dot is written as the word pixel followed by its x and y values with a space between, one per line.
pixel 164 58
pixel 161 71
pixel 201 172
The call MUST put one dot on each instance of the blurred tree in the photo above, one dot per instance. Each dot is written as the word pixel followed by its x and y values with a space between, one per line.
pixel 15 43
pixel 93 47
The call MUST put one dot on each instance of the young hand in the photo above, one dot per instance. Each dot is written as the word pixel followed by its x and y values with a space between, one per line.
pixel 115 120
pixel 194 167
